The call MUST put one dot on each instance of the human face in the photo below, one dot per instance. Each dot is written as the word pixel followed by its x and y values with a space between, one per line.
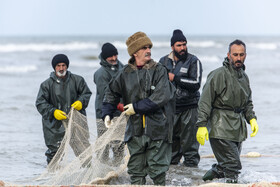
pixel 112 59
pixel 180 49
pixel 237 55
pixel 61 69
pixel 143 55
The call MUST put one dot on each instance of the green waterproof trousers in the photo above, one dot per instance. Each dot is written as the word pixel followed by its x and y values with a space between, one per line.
pixel 184 138
pixel 148 157
pixel 227 154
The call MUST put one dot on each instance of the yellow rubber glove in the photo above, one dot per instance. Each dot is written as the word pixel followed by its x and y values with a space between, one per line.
pixel 202 132
pixel 129 110
pixel 59 114
pixel 107 121
pixel 254 127
pixel 77 105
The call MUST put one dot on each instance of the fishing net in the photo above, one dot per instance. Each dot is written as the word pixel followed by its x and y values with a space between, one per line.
pixel 80 161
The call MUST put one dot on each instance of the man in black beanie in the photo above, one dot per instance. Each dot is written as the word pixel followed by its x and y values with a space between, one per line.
pixel 185 72
pixel 61 91
pixel 110 66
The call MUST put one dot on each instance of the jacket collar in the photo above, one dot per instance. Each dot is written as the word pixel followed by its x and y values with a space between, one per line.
pixel 151 63
pixel 226 63
pixel 236 72
pixel 171 56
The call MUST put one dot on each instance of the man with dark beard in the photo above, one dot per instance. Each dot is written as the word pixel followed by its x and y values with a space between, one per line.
pixel 226 105
pixel 185 71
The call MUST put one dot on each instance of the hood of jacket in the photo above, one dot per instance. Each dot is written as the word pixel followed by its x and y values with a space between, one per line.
pixel 227 64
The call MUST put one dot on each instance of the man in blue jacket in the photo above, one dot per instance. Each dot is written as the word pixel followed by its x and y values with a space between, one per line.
pixel 185 71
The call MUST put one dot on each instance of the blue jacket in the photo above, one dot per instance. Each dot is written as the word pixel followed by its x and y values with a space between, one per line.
pixel 187 80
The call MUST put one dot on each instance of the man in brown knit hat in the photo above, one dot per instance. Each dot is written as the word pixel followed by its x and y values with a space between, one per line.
pixel 149 101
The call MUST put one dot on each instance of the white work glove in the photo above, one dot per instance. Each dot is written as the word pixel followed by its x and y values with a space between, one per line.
pixel 107 121
pixel 129 110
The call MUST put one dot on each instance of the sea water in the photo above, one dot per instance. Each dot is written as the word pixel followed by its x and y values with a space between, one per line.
pixel 25 62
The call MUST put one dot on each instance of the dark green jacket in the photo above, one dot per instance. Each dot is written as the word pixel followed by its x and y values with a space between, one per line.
pixel 55 94
pixel 152 96
pixel 226 103
pixel 101 78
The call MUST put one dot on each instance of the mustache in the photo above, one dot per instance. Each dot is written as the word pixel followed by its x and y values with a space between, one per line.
pixel 183 51
pixel 238 61
pixel 148 54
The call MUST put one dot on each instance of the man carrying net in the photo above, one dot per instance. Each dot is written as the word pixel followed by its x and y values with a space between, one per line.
pixel 61 91
pixel 149 98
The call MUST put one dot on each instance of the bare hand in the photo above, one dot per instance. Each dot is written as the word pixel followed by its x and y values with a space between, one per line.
pixel 171 76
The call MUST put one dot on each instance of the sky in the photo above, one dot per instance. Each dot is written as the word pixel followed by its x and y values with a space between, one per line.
pixel 154 17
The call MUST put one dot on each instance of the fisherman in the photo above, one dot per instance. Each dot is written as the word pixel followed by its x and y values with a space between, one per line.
pixel 147 94
pixel 61 91
pixel 185 71
pixel 110 66
pixel 226 105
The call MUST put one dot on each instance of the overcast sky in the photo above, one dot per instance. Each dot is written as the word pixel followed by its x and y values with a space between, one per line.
pixel 114 17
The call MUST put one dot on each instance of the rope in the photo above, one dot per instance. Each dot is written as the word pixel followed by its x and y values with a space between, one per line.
pixel 248 155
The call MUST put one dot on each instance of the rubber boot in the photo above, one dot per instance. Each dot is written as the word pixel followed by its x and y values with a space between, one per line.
pixel 213 173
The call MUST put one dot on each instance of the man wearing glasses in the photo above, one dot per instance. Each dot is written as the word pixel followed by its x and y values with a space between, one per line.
pixel 147 95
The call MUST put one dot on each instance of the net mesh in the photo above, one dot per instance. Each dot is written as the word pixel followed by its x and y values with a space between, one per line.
pixel 80 161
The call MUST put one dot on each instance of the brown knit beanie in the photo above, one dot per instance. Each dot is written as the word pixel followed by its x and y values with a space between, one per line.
pixel 137 41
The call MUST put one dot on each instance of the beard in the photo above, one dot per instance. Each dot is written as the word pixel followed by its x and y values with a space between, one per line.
pixel 237 64
pixel 180 55
pixel 61 74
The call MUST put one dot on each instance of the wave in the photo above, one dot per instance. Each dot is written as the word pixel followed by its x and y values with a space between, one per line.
pixel 205 44
pixel 38 47
pixel 264 46
pixel 119 45
pixel 18 69
pixel 71 46
pixel 94 64
pixel 209 59
pixel 197 44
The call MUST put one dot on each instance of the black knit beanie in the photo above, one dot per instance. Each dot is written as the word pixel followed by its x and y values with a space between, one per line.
pixel 178 36
pixel 60 58
pixel 108 50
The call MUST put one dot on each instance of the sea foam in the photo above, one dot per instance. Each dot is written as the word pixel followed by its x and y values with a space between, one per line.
pixel 18 69
pixel 38 47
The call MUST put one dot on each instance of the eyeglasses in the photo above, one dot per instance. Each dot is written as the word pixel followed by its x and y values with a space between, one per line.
pixel 146 47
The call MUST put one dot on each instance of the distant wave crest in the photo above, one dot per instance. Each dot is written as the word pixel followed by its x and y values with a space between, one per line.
pixel 209 58
pixel 17 69
pixel 263 46
pixel 38 47
pixel 205 44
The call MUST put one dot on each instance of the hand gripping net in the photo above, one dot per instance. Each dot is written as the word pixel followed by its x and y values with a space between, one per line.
pixel 80 160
